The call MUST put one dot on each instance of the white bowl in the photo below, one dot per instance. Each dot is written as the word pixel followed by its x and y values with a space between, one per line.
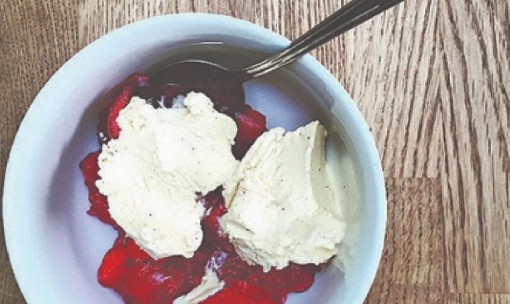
pixel 55 248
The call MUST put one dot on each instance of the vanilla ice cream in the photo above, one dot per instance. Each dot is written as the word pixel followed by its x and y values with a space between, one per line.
pixel 161 161
pixel 282 205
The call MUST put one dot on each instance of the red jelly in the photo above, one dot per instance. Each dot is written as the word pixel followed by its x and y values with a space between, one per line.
pixel 98 202
pixel 243 292
pixel 113 129
pixel 250 125
pixel 137 277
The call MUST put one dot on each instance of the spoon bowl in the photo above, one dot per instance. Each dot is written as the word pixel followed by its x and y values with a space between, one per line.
pixel 200 76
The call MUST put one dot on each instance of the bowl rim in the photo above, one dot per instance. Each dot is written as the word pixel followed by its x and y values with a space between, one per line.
pixel 38 104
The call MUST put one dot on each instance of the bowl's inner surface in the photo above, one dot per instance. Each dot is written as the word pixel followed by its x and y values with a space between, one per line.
pixel 79 241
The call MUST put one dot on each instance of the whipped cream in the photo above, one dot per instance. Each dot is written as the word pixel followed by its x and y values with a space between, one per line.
pixel 209 285
pixel 282 205
pixel 161 161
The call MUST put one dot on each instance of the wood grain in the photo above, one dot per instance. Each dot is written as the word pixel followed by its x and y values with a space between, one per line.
pixel 432 79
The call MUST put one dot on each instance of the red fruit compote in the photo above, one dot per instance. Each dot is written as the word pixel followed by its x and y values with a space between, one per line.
pixel 138 278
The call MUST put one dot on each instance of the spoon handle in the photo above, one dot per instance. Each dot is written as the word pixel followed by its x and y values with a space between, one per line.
pixel 347 17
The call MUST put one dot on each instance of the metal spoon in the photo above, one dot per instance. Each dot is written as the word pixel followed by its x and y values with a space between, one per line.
pixel 218 81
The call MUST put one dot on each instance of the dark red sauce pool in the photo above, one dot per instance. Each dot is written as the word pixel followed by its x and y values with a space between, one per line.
pixel 130 271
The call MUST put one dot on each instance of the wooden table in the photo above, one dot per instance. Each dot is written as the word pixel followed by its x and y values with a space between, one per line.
pixel 432 79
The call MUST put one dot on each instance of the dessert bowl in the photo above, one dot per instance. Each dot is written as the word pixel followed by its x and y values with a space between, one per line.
pixel 55 248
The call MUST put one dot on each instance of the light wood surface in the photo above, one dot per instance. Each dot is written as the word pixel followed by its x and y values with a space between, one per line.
pixel 432 79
